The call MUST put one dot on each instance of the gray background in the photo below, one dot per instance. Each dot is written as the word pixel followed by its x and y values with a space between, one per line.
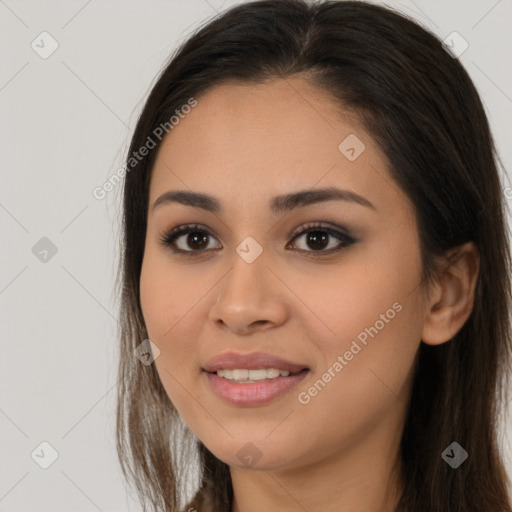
pixel 66 123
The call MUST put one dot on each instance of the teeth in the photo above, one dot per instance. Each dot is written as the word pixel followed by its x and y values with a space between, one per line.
pixel 252 375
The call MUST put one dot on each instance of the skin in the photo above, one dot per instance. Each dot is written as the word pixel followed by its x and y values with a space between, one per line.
pixel 244 145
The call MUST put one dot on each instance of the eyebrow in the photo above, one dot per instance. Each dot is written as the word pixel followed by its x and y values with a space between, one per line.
pixel 278 205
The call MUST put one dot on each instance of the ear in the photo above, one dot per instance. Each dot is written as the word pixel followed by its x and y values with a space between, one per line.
pixel 452 296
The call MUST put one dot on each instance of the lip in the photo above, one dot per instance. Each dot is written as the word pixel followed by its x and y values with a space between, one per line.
pixel 257 393
pixel 252 394
pixel 250 361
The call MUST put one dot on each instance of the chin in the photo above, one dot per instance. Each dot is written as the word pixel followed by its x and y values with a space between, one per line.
pixel 261 455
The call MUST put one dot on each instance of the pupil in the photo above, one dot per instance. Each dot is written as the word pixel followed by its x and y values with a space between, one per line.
pixel 195 235
pixel 314 237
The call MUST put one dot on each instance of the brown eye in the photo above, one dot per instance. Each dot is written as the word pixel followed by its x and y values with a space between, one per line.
pixel 193 240
pixel 318 238
pixel 194 237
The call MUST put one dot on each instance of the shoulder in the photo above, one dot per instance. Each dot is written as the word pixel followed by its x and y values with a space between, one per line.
pixel 198 504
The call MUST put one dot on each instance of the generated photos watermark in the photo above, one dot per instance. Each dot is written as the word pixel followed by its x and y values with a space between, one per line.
pixel 305 397
pixel 159 132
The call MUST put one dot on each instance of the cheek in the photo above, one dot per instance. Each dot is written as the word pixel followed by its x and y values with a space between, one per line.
pixel 172 302
pixel 366 376
pixel 168 310
pixel 368 295
pixel 366 372
pixel 167 295
pixel 371 330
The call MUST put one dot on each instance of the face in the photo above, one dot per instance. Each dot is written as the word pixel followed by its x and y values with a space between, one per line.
pixel 330 284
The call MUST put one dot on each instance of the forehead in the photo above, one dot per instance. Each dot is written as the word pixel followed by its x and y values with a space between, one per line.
pixel 243 141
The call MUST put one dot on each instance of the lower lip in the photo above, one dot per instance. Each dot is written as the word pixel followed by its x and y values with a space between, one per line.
pixel 252 394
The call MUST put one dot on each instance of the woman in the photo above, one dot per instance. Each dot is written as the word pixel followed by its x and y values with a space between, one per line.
pixel 315 276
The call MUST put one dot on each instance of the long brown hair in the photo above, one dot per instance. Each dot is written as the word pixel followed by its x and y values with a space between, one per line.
pixel 420 106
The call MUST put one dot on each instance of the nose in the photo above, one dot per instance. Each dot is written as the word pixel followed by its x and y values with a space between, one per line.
pixel 250 298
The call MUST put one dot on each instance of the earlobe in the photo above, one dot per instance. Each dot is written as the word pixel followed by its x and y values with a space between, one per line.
pixel 452 300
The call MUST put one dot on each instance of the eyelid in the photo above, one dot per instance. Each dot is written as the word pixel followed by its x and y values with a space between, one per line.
pixel 320 225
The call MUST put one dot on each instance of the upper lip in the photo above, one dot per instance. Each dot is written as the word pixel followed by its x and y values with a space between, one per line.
pixel 250 361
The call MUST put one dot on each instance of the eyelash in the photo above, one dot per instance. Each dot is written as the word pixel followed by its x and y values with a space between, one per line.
pixel 170 236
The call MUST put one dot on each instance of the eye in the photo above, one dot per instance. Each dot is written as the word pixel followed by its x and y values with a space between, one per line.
pixel 196 237
pixel 317 237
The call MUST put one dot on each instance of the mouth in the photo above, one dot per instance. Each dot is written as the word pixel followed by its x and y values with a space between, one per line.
pixel 250 376
pixel 252 388
pixel 252 379
pixel 252 362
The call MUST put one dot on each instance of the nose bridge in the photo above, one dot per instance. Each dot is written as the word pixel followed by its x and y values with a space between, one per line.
pixel 245 276
pixel 248 294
